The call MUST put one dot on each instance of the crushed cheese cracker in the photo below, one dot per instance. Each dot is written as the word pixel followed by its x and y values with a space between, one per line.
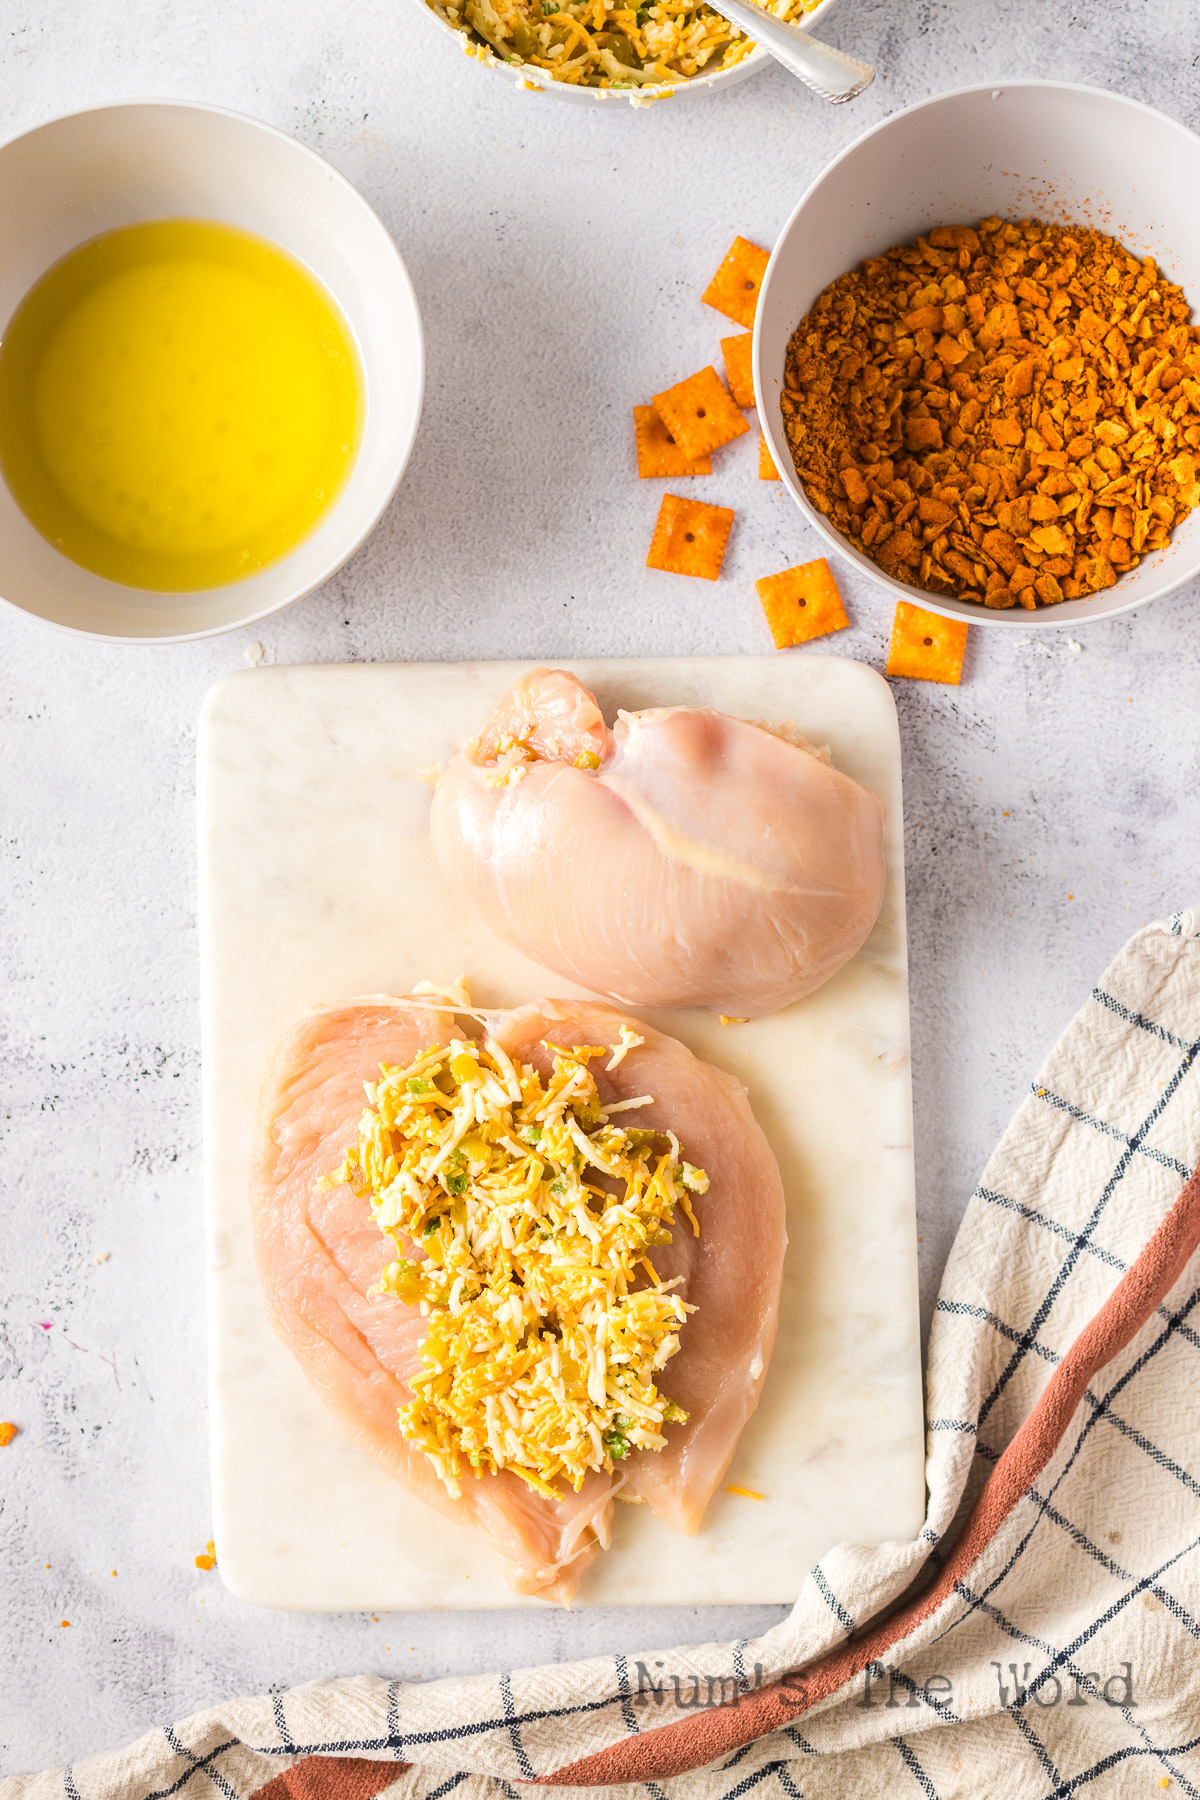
pixel 700 413
pixel 523 1213
pixel 657 452
pixel 802 603
pixel 766 467
pixel 690 537
pixel 1007 411
pixel 733 290
pixel 925 646
pixel 738 373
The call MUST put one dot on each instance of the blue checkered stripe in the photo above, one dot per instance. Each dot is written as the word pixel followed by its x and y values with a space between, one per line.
pixel 1066 1662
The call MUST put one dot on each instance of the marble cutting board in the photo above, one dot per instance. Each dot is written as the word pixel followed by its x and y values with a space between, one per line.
pixel 317 883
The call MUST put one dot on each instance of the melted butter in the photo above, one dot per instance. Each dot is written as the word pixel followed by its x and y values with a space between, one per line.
pixel 180 404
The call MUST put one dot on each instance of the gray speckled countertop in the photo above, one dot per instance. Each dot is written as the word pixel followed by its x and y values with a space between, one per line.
pixel 558 255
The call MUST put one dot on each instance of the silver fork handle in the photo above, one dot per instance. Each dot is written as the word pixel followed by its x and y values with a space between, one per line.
pixel 829 72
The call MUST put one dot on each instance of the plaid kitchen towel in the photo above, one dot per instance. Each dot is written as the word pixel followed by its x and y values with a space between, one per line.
pixel 1040 1638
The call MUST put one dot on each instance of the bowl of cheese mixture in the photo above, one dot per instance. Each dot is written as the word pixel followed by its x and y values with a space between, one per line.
pixel 606 51
pixel 211 371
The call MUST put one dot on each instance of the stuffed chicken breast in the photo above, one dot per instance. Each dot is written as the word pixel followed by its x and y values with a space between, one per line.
pixel 684 858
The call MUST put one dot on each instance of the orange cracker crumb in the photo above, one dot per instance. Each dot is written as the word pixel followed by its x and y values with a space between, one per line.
pixel 209 1559
pixel 690 537
pixel 925 646
pixel 802 603
pixel 733 290
pixel 8 1432
pixel 766 467
pixel 700 413
pixel 746 1493
pixel 65 1624
pixel 736 351
pixel 657 452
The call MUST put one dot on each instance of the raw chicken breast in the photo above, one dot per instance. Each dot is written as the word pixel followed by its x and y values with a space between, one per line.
pixel 319 1252
pixel 684 859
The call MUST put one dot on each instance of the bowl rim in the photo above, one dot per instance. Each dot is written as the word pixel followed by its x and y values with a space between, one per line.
pixel 339 558
pixel 1044 619
pixel 523 77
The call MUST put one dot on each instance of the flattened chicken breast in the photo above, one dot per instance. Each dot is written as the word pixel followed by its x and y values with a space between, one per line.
pixel 320 1253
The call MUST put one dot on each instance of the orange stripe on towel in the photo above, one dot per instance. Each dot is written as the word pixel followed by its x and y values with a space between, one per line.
pixel 332 1778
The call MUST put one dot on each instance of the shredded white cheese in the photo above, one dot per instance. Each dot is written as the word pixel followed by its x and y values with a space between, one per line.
pixel 523 1222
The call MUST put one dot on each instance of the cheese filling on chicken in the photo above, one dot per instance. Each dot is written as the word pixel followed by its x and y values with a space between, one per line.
pixel 523 1214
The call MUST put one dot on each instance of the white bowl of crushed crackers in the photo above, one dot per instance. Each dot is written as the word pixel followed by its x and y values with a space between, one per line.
pixel 605 51
pixel 974 356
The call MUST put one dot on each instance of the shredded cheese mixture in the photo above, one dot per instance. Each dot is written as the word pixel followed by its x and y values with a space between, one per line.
pixel 512 758
pixel 524 1214
pixel 594 43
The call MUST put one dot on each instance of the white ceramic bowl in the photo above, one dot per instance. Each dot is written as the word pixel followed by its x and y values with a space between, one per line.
pixel 65 182
pixel 1026 149
pixel 533 80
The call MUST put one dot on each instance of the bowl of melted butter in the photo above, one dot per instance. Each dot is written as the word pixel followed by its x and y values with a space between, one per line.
pixel 210 375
